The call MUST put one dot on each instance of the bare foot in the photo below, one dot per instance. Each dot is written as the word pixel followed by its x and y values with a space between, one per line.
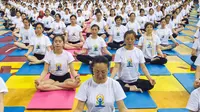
pixel 134 88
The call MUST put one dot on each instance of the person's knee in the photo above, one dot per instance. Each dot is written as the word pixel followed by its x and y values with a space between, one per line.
pixel 41 87
pixel 163 61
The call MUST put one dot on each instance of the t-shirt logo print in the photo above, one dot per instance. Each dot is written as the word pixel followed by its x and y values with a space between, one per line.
pixel 100 101
pixel 129 63
pixel 58 67
pixel 26 37
pixel 95 47
pixel 149 45
pixel 118 34
pixel 37 46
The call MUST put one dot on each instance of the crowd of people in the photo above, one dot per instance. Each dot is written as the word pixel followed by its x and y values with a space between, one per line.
pixel 139 31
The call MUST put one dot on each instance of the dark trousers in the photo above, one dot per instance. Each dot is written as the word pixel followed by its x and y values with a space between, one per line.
pixel 115 45
pixel 159 61
pixel 193 58
pixel 145 85
pixel 174 35
pixel 86 58
pixel 185 19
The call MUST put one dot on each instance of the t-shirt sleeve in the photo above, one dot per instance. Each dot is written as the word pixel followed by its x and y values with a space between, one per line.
pixel 196 33
pixel 32 41
pixel 85 45
pixel 82 93
pixel 103 43
pixel 117 58
pixel 118 91
pixel 80 29
pixel 141 57
pixel 197 62
pixel 48 42
pixel 195 45
pixel 3 88
pixel 70 58
pixel 158 42
pixel 170 32
pixel 193 101
pixel 47 58
pixel 140 41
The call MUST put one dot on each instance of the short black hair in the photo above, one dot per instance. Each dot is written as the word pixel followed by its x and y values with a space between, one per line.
pixel 99 59
pixel 62 38
pixel 131 14
pixel 147 24
pixel 142 10
pixel 39 24
pixel 58 15
pixel 73 16
pixel 128 33
pixel 95 25
pixel 118 17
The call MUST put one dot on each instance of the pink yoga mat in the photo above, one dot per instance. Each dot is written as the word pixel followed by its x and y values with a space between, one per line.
pixel 72 51
pixel 52 100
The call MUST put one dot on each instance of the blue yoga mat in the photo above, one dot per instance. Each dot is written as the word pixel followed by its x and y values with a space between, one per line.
pixel 186 80
pixel 85 69
pixel 2 57
pixel 2 36
pixel 18 52
pixel 156 70
pixel 187 59
pixel 188 44
pixel 14 109
pixel 8 34
pixel 27 69
pixel 173 110
pixel 5 76
pixel 112 51
pixel 170 52
pixel 2 45
pixel 136 100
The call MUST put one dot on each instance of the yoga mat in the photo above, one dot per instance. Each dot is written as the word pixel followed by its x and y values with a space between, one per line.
pixel 136 100
pixel 156 70
pixel 14 59
pixel 27 69
pixel 173 110
pixel 14 109
pixel 186 80
pixel 187 59
pixel 52 100
pixel 5 76
pixel 18 52
pixel 2 57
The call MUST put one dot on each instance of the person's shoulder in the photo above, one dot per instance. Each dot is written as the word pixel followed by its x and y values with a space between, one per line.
pixel 196 92
pixel 88 82
pixel 112 81
pixel 121 49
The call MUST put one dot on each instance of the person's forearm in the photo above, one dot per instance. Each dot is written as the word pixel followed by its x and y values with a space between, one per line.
pixel 172 38
pixel 159 51
pixel 146 72
pixel 114 72
pixel 197 74
pixel 107 52
pixel 30 50
pixel 1 106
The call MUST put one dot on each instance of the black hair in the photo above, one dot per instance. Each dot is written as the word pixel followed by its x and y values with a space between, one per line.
pixel 128 33
pixel 98 11
pixel 79 10
pixel 95 25
pixel 131 14
pixel 62 38
pixel 73 16
pixel 99 59
pixel 58 15
pixel 118 17
pixel 162 19
pixel 47 10
pixel 147 24
pixel 142 10
pixel 26 19
pixel 39 24
pixel 112 10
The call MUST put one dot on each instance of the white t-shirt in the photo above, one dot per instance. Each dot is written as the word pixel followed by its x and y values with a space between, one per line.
pixel 196 46
pixel 66 18
pixel 197 34
pixel 26 34
pixel 34 16
pixel 16 20
pixel 135 26
pixel 151 18
pixel 129 61
pixel 3 88
pixel 142 20
pixel 158 15
pixel 40 44
pixel 58 27
pixel 58 64
pixel 101 25
pixel 111 21
pixel 125 17
pixel 86 14
pixel 74 33
pixel 149 46
pixel 198 24
pixel 164 35
pixel 194 101
pixel 100 97
pixel 94 46
pixel 80 20
pixel 47 21
pixel 118 33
